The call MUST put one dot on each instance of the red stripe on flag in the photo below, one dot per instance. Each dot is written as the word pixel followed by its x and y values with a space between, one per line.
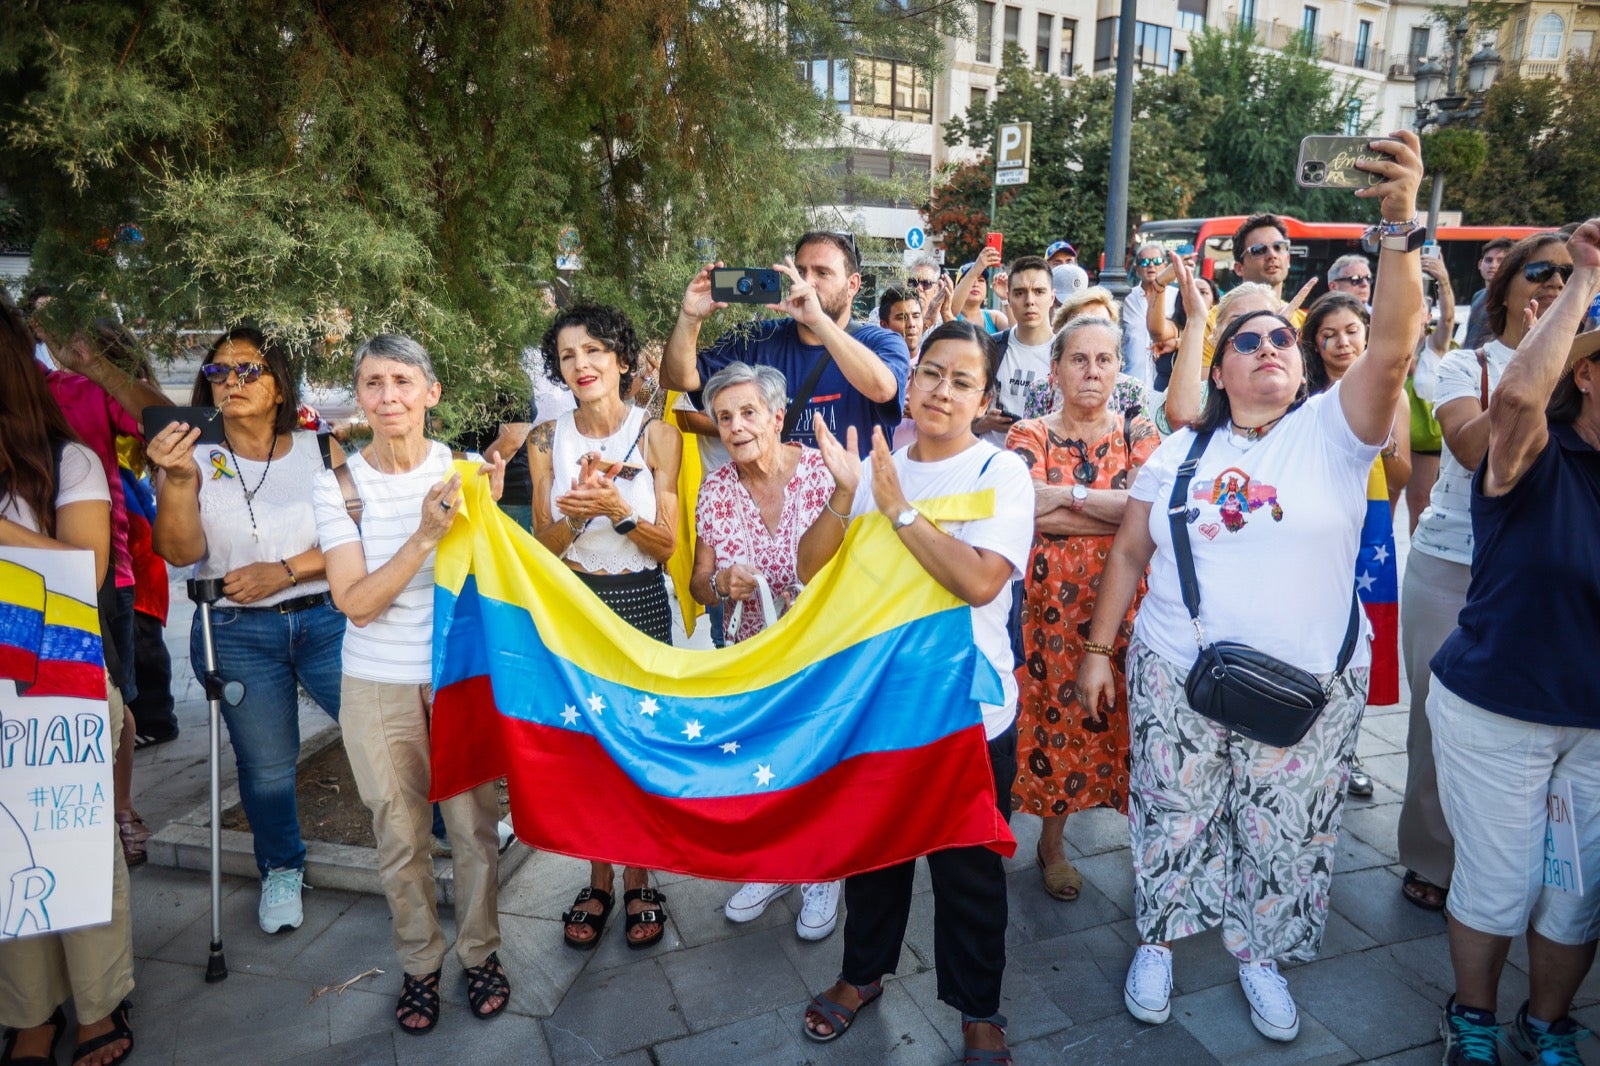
pixel 17 664
pixel 868 812
pixel 1384 686
pixel 84 681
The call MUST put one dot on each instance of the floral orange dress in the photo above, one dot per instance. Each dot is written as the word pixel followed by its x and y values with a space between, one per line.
pixel 1071 757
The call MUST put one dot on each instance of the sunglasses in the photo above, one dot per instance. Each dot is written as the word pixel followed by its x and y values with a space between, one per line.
pixel 1256 251
pixel 1151 262
pixel 1084 469
pixel 1356 279
pixel 1281 338
pixel 1544 270
pixel 922 283
pixel 218 373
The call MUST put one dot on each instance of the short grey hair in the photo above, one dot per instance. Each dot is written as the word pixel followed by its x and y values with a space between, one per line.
pixel 1337 269
pixel 924 261
pixel 769 382
pixel 1157 245
pixel 397 347
pixel 1077 325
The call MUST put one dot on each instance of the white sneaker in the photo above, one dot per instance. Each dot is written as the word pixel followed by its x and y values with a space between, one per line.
pixel 819 910
pixel 1271 1006
pixel 1147 993
pixel 747 904
pixel 280 900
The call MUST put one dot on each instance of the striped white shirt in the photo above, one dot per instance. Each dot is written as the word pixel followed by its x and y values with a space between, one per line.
pixel 397 646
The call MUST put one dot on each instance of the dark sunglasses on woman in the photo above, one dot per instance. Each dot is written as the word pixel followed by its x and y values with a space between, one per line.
pixel 1542 271
pixel 1282 338
pixel 218 373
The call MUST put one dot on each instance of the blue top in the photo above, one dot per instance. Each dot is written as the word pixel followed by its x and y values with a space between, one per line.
pixel 1532 617
pixel 776 343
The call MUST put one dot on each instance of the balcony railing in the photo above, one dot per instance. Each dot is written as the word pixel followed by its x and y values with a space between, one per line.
pixel 1404 65
pixel 1278 36
pixel 1540 68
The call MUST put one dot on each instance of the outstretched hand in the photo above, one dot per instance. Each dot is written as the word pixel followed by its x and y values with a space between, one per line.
pixel 801 301
pixel 697 302
pixel 842 460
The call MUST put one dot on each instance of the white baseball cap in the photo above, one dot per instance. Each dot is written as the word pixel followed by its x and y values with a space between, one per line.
pixel 1068 279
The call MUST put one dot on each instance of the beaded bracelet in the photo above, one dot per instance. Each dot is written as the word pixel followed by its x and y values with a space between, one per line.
pixel 293 579
pixel 1092 648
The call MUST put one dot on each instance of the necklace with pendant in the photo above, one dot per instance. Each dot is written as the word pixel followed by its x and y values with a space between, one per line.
pixel 250 494
pixel 1254 433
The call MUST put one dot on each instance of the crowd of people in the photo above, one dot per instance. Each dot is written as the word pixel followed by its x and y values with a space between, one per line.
pixel 1162 469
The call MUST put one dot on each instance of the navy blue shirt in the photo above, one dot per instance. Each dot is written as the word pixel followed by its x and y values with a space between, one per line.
pixel 776 343
pixel 1524 642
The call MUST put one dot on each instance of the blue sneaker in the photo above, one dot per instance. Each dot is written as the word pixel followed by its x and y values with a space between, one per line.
pixel 1555 1045
pixel 280 900
pixel 1470 1036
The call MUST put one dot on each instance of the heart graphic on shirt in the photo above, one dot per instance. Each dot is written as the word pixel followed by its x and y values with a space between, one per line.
pixel 1210 529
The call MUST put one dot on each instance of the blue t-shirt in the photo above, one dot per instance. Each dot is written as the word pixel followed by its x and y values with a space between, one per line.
pixel 1532 618
pixel 776 343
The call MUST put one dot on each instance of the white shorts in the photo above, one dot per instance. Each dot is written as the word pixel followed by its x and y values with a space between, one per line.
pixel 1494 775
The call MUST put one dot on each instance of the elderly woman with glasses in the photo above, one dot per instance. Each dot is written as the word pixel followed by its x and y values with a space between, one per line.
pixel 241 511
pixel 1265 493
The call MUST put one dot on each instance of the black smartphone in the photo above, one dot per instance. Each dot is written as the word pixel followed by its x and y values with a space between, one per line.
pixel 207 419
pixel 1330 163
pixel 746 285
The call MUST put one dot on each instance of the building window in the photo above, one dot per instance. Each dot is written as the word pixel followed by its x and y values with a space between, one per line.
pixel 1518 39
pixel 1192 15
pixel 1308 22
pixel 1352 118
pixel 977 96
pixel 1581 44
pixel 1013 27
pixel 985 40
pixel 1363 42
pixel 1047 27
pixel 1408 118
pixel 1069 41
pixel 1152 45
pixel 884 88
pixel 1419 44
pixel 1547 34
pixel 1247 13
pixel 1179 56
pixel 830 78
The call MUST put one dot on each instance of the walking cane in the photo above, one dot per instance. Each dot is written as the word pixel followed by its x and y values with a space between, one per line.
pixel 204 593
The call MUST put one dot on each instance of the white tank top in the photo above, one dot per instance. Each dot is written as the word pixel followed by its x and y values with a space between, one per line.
pixel 599 548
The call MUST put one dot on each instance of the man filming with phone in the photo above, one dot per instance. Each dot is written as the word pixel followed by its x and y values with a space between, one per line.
pixel 842 373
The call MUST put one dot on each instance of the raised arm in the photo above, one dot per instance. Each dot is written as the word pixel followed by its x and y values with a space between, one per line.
pixel 860 365
pixel 1184 386
pixel 81 356
pixel 680 367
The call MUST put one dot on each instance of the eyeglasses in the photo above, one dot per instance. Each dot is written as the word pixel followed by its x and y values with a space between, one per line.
pixel 1084 469
pixel 929 378
pixel 1544 270
pixel 218 373
pixel 1256 251
pixel 1151 262
pixel 922 283
pixel 1354 279
pixel 1282 338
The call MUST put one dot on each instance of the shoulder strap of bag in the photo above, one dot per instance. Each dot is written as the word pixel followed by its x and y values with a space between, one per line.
pixel 341 474
pixel 808 388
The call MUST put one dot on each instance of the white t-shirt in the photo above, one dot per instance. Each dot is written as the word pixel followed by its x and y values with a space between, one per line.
pixel 283 515
pixel 712 452
pixel 551 398
pixel 1022 368
pixel 397 646
pixel 81 478
pixel 1009 533
pixel 1136 361
pixel 1445 529
pixel 1275 528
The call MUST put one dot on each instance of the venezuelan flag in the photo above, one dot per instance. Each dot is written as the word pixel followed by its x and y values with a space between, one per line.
pixel 1377 584
pixel 71 661
pixel 845 738
pixel 22 601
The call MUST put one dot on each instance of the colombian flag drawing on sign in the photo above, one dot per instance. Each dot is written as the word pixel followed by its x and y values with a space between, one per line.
pixel 1378 586
pixel 49 643
pixel 845 738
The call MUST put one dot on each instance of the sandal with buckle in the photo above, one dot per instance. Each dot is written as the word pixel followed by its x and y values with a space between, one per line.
pixel 976 1056
pixel 419 998
pixel 133 833
pixel 57 1020
pixel 485 981
pixel 655 915
pixel 119 1031
pixel 838 1017
pixel 577 916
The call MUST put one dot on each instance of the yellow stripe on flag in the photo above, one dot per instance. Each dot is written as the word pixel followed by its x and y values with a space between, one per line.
pixel 21 586
pixel 65 611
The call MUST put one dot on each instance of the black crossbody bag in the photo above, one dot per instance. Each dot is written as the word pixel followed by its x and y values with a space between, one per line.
pixel 1247 690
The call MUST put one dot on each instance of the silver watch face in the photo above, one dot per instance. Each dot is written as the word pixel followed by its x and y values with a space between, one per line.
pixel 1080 492
pixel 905 518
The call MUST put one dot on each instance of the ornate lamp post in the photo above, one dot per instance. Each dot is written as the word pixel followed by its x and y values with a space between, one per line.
pixel 1438 104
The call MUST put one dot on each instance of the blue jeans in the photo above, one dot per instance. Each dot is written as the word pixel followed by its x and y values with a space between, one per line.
pixel 270 653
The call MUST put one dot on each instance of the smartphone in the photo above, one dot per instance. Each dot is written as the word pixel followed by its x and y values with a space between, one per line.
pixel 1330 163
pixel 207 419
pixel 994 240
pixel 745 285
pixel 1430 249
pixel 1185 250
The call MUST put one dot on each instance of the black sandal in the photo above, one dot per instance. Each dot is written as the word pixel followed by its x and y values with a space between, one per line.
pixel 655 915
pixel 586 918
pixel 419 998
pixel 119 1031
pixel 57 1020
pixel 485 981
pixel 1414 887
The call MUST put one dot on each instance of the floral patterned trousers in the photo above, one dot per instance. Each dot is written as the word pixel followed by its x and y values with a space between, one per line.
pixel 1228 831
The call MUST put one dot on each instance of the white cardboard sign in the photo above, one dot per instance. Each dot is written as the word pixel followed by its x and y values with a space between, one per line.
pixel 1563 866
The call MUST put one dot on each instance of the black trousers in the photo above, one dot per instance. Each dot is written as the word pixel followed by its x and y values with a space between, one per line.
pixel 152 671
pixel 969 911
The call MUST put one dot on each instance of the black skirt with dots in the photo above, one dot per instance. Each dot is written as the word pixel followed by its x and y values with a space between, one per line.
pixel 639 599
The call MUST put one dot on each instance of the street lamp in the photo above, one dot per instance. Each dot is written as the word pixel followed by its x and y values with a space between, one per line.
pixel 1482 69
pixel 1439 106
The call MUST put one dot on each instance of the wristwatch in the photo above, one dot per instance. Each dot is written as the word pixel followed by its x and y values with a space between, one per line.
pixel 906 518
pixel 627 525
pixel 1080 496
pixel 1407 236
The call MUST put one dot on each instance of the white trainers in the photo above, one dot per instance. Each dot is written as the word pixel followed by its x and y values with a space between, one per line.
pixel 1271 1006
pixel 747 904
pixel 280 900
pixel 1147 992
pixel 819 910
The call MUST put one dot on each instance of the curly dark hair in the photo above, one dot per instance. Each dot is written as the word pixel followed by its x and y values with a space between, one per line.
pixel 1316 370
pixel 287 419
pixel 1250 225
pixel 1519 256
pixel 605 324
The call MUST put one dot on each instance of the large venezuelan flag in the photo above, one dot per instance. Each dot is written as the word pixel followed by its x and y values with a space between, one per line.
pixel 22 599
pixel 1377 584
pixel 845 738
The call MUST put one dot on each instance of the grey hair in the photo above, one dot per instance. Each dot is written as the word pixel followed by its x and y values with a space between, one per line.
pixel 924 261
pixel 769 382
pixel 1077 325
pixel 397 347
pixel 1157 245
pixel 1337 268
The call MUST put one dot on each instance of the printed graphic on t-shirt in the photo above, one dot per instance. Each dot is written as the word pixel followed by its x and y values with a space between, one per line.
pixel 1235 496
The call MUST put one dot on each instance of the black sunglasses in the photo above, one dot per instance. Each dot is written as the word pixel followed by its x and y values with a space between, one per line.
pixel 218 373
pixel 1282 338
pixel 1356 279
pixel 922 283
pixel 1543 270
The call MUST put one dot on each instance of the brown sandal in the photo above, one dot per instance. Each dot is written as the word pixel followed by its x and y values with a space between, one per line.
pixel 133 833
pixel 1061 879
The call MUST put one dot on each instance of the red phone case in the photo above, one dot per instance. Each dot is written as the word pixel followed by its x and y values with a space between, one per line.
pixel 994 240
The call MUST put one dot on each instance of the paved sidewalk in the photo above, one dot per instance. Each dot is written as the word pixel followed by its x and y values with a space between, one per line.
pixel 714 992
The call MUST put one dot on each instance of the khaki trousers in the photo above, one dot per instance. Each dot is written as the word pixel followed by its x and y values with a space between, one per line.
pixel 94 966
pixel 386 737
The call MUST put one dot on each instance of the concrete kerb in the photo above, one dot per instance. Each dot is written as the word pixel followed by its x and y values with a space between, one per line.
pixel 185 844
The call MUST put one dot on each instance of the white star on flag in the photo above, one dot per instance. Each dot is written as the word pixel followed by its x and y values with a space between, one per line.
pixel 731 747
pixel 570 715
pixel 1365 582
pixel 693 730
pixel 649 706
pixel 1381 554
pixel 597 704
pixel 763 774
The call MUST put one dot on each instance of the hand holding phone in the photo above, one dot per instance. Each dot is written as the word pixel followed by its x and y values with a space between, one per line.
pixel 994 240
pixel 208 420
pixel 745 285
